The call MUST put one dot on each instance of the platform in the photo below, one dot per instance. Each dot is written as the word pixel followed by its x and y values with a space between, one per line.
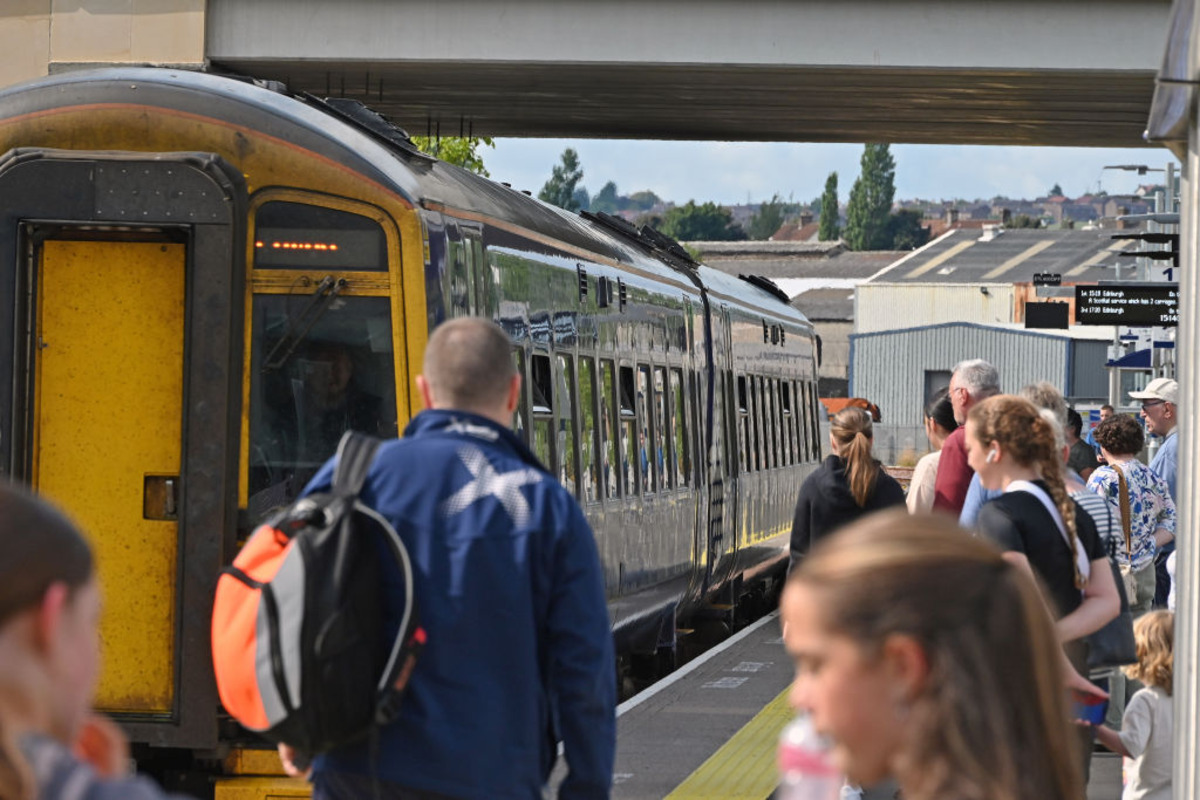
pixel 709 730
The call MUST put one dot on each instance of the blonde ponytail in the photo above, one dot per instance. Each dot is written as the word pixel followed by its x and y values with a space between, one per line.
pixel 851 429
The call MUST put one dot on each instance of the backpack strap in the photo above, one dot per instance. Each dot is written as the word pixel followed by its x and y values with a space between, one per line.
pixel 1126 522
pixel 355 453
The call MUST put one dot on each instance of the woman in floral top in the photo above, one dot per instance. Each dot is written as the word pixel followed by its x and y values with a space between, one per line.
pixel 1151 510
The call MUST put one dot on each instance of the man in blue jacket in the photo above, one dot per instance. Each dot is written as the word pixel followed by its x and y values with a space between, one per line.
pixel 510 591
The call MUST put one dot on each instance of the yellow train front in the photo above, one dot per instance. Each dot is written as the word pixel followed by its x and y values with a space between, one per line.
pixel 204 281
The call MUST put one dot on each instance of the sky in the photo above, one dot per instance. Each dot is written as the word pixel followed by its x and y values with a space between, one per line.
pixel 739 172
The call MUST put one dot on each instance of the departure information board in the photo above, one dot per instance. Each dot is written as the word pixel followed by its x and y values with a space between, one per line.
pixel 1127 304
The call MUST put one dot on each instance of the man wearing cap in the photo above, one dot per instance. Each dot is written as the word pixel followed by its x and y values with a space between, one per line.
pixel 1160 401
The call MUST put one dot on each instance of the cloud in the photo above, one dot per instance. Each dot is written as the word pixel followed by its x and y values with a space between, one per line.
pixel 734 172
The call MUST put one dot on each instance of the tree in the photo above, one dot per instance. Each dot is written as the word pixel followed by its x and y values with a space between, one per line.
pixel 560 189
pixel 582 201
pixel 461 151
pixel 828 230
pixel 1023 221
pixel 870 201
pixel 606 199
pixel 701 223
pixel 906 231
pixel 1056 191
pixel 767 220
pixel 644 200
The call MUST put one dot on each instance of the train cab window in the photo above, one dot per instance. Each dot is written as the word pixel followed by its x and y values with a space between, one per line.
pixel 664 444
pixel 609 472
pixel 743 407
pixel 541 387
pixel 589 448
pixel 521 414
pixel 308 237
pixel 564 423
pixel 681 461
pixel 647 459
pixel 309 385
pixel 629 434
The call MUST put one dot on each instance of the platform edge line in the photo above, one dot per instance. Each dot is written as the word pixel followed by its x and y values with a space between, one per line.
pixel 693 665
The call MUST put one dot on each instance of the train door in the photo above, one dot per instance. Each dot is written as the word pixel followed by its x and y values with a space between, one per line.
pixel 723 473
pixel 122 332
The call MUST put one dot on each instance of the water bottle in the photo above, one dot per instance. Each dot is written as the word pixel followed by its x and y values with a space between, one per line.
pixel 806 771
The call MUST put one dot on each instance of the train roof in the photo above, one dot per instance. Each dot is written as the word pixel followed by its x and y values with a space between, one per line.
pixel 360 139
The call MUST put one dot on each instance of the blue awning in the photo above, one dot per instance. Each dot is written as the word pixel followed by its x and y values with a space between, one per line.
pixel 1138 359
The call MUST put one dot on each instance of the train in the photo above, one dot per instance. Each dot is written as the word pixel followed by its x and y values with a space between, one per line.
pixel 206 279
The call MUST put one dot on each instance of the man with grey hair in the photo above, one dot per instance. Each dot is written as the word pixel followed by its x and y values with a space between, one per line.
pixel 971 382
pixel 508 581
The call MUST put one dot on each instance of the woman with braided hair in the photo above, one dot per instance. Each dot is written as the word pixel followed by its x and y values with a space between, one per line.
pixel 1036 523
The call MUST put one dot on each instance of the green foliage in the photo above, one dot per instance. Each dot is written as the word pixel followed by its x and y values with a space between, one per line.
pixel 870 203
pixel 606 199
pixel 560 189
pixel 582 201
pixel 461 151
pixel 768 219
pixel 906 231
pixel 644 200
pixel 1056 191
pixel 1023 221
pixel 828 230
pixel 708 222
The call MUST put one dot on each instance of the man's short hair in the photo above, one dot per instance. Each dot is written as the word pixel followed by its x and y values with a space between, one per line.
pixel 1074 422
pixel 469 363
pixel 1107 407
pixel 978 377
pixel 1045 395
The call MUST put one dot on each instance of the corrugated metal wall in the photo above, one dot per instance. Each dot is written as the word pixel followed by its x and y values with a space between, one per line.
pixel 892 306
pixel 889 368
pixel 1089 378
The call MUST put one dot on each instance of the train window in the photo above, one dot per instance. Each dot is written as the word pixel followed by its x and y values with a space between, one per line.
pixel 542 423
pixel 785 407
pixel 629 436
pixel 302 236
pixel 681 461
pixel 308 388
pixel 756 422
pixel 730 422
pixel 588 447
pixel 646 433
pixel 814 425
pixel 458 274
pixel 663 444
pixel 770 423
pixel 608 446
pixel 521 414
pixel 565 424
pixel 743 406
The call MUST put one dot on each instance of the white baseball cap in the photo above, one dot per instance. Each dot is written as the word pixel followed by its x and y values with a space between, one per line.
pixel 1159 389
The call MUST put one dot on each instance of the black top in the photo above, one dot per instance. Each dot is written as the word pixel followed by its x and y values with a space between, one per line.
pixel 1018 522
pixel 825 503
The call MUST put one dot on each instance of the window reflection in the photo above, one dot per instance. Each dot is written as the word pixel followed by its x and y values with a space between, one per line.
pixel 337 376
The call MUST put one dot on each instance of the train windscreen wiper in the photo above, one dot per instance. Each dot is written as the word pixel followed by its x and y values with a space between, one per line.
pixel 303 322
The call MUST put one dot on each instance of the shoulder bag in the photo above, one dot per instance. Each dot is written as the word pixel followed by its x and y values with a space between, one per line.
pixel 1113 645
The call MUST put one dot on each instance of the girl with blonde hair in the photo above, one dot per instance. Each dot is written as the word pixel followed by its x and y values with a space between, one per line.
pixel 1149 722
pixel 848 484
pixel 924 655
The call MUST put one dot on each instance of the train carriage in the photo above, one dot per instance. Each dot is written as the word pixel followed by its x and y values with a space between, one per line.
pixel 204 281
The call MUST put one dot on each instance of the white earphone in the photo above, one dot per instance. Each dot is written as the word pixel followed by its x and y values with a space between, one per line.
pixel 991 457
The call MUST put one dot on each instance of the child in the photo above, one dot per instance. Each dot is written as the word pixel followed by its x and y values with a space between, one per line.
pixel 1148 724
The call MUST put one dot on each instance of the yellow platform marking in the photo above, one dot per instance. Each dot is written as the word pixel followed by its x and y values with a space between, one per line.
pixel 261 789
pixel 937 261
pixel 1019 258
pixel 744 767
pixel 109 413
pixel 1096 259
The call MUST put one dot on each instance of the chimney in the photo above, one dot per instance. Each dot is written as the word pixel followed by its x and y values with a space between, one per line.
pixel 951 216
pixel 806 218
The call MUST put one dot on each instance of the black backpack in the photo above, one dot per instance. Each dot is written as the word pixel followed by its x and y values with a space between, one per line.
pixel 297 648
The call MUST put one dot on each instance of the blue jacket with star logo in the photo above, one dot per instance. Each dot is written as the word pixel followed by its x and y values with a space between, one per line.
pixel 511 594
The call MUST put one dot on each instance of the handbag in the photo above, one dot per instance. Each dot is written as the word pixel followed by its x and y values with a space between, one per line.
pixel 1126 570
pixel 1113 645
